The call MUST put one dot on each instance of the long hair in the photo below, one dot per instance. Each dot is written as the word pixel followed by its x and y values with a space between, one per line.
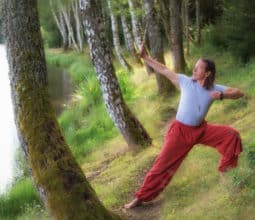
pixel 210 66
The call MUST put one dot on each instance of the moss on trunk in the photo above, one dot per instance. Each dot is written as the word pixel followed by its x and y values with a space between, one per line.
pixel 59 179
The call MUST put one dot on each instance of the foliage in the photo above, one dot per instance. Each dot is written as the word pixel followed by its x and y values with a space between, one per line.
pixel 126 85
pixel 50 33
pixel 234 29
pixel 210 10
pixel 251 156
pixel 21 167
pixel 18 198
pixel 86 123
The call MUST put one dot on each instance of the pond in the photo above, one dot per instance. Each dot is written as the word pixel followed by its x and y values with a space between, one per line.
pixel 60 89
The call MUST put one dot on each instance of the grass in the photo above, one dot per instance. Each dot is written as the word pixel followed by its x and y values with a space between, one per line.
pixel 196 191
pixel 19 199
pixel 86 123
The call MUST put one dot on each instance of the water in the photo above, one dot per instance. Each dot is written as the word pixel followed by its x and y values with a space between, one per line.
pixel 60 88
pixel 8 133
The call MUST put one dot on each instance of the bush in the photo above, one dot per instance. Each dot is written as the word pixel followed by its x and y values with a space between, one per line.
pixel 17 198
pixel 234 29
pixel 251 156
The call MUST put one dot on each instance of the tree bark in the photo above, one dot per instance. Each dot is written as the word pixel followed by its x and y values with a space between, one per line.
pixel 185 12
pixel 131 129
pixel 59 179
pixel 137 29
pixel 165 16
pixel 176 36
pixel 136 24
pixel 116 40
pixel 129 42
pixel 78 24
pixel 65 10
pixel 156 45
pixel 61 25
pixel 198 25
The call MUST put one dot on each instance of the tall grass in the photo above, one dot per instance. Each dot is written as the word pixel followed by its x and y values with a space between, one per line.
pixel 18 199
pixel 196 191
pixel 86 123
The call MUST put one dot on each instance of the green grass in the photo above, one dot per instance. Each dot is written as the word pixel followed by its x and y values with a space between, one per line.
pixel 18 199
pixel 196 191
pixel 86 123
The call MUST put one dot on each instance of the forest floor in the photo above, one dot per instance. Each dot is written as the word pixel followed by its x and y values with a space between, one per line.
pixel 197 191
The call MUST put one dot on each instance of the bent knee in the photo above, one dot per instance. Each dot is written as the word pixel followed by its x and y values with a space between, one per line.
pixel 234 132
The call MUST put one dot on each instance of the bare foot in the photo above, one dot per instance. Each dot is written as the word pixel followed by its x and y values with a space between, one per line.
pixel 132 204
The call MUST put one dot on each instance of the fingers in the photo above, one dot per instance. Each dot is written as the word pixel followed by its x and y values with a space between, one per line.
pixel 142 52
pixel 215 94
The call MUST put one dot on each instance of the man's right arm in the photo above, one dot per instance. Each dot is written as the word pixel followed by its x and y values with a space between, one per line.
pixel 162 69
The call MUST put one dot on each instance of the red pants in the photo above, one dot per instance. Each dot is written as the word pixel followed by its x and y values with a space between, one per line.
pixel 178 142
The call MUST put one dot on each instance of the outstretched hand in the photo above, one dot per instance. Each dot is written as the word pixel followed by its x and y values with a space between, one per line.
pixel 215 95
pixel 142 52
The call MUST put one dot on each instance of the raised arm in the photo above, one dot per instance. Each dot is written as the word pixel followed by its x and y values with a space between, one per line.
pixel 159 67
pixel 229 93
pixel 232 93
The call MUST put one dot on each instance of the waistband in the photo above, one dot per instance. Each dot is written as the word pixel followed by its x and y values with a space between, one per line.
pixel 189 126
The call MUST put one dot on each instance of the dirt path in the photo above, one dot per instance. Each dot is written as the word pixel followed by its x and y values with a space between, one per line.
pixel 147 211
pixel 150 210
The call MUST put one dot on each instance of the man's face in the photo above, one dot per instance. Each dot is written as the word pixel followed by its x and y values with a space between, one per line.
pixel 199 72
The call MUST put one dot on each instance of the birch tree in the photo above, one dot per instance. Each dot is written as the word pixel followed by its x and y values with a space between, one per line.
pixel 66 12
pixel 156 44
pixel 116 39
pixel 136 23
pixel 78 25
pixel 128 35
pixel 129 41
pixel 129 126
pixel 59 19
pixel 59 179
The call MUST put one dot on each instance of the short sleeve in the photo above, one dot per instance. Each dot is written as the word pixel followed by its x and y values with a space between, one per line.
pixel 183 80
pixel 220 88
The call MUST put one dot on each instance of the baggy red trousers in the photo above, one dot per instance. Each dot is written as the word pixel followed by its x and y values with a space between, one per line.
pixel 179 140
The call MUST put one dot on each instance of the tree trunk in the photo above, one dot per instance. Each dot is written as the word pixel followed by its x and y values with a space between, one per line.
pixel 61 26
pixel 59 179
pixel 129 40
pixel 137 28
pixel 198 25
pixel 78 24
pixel 116 40
pixel 136 24
pixel 185 16
pixel 156 45
pixel 67 16
pixel 124 120
pixel 165 16
pixel 176 36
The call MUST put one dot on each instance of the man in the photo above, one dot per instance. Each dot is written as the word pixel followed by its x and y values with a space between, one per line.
pixel 190 128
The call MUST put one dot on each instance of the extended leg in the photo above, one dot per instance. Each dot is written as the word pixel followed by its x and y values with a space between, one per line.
pixel 173 152
pixel 227 141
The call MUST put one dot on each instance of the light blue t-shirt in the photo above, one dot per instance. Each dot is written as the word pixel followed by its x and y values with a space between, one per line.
pixel 195 101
